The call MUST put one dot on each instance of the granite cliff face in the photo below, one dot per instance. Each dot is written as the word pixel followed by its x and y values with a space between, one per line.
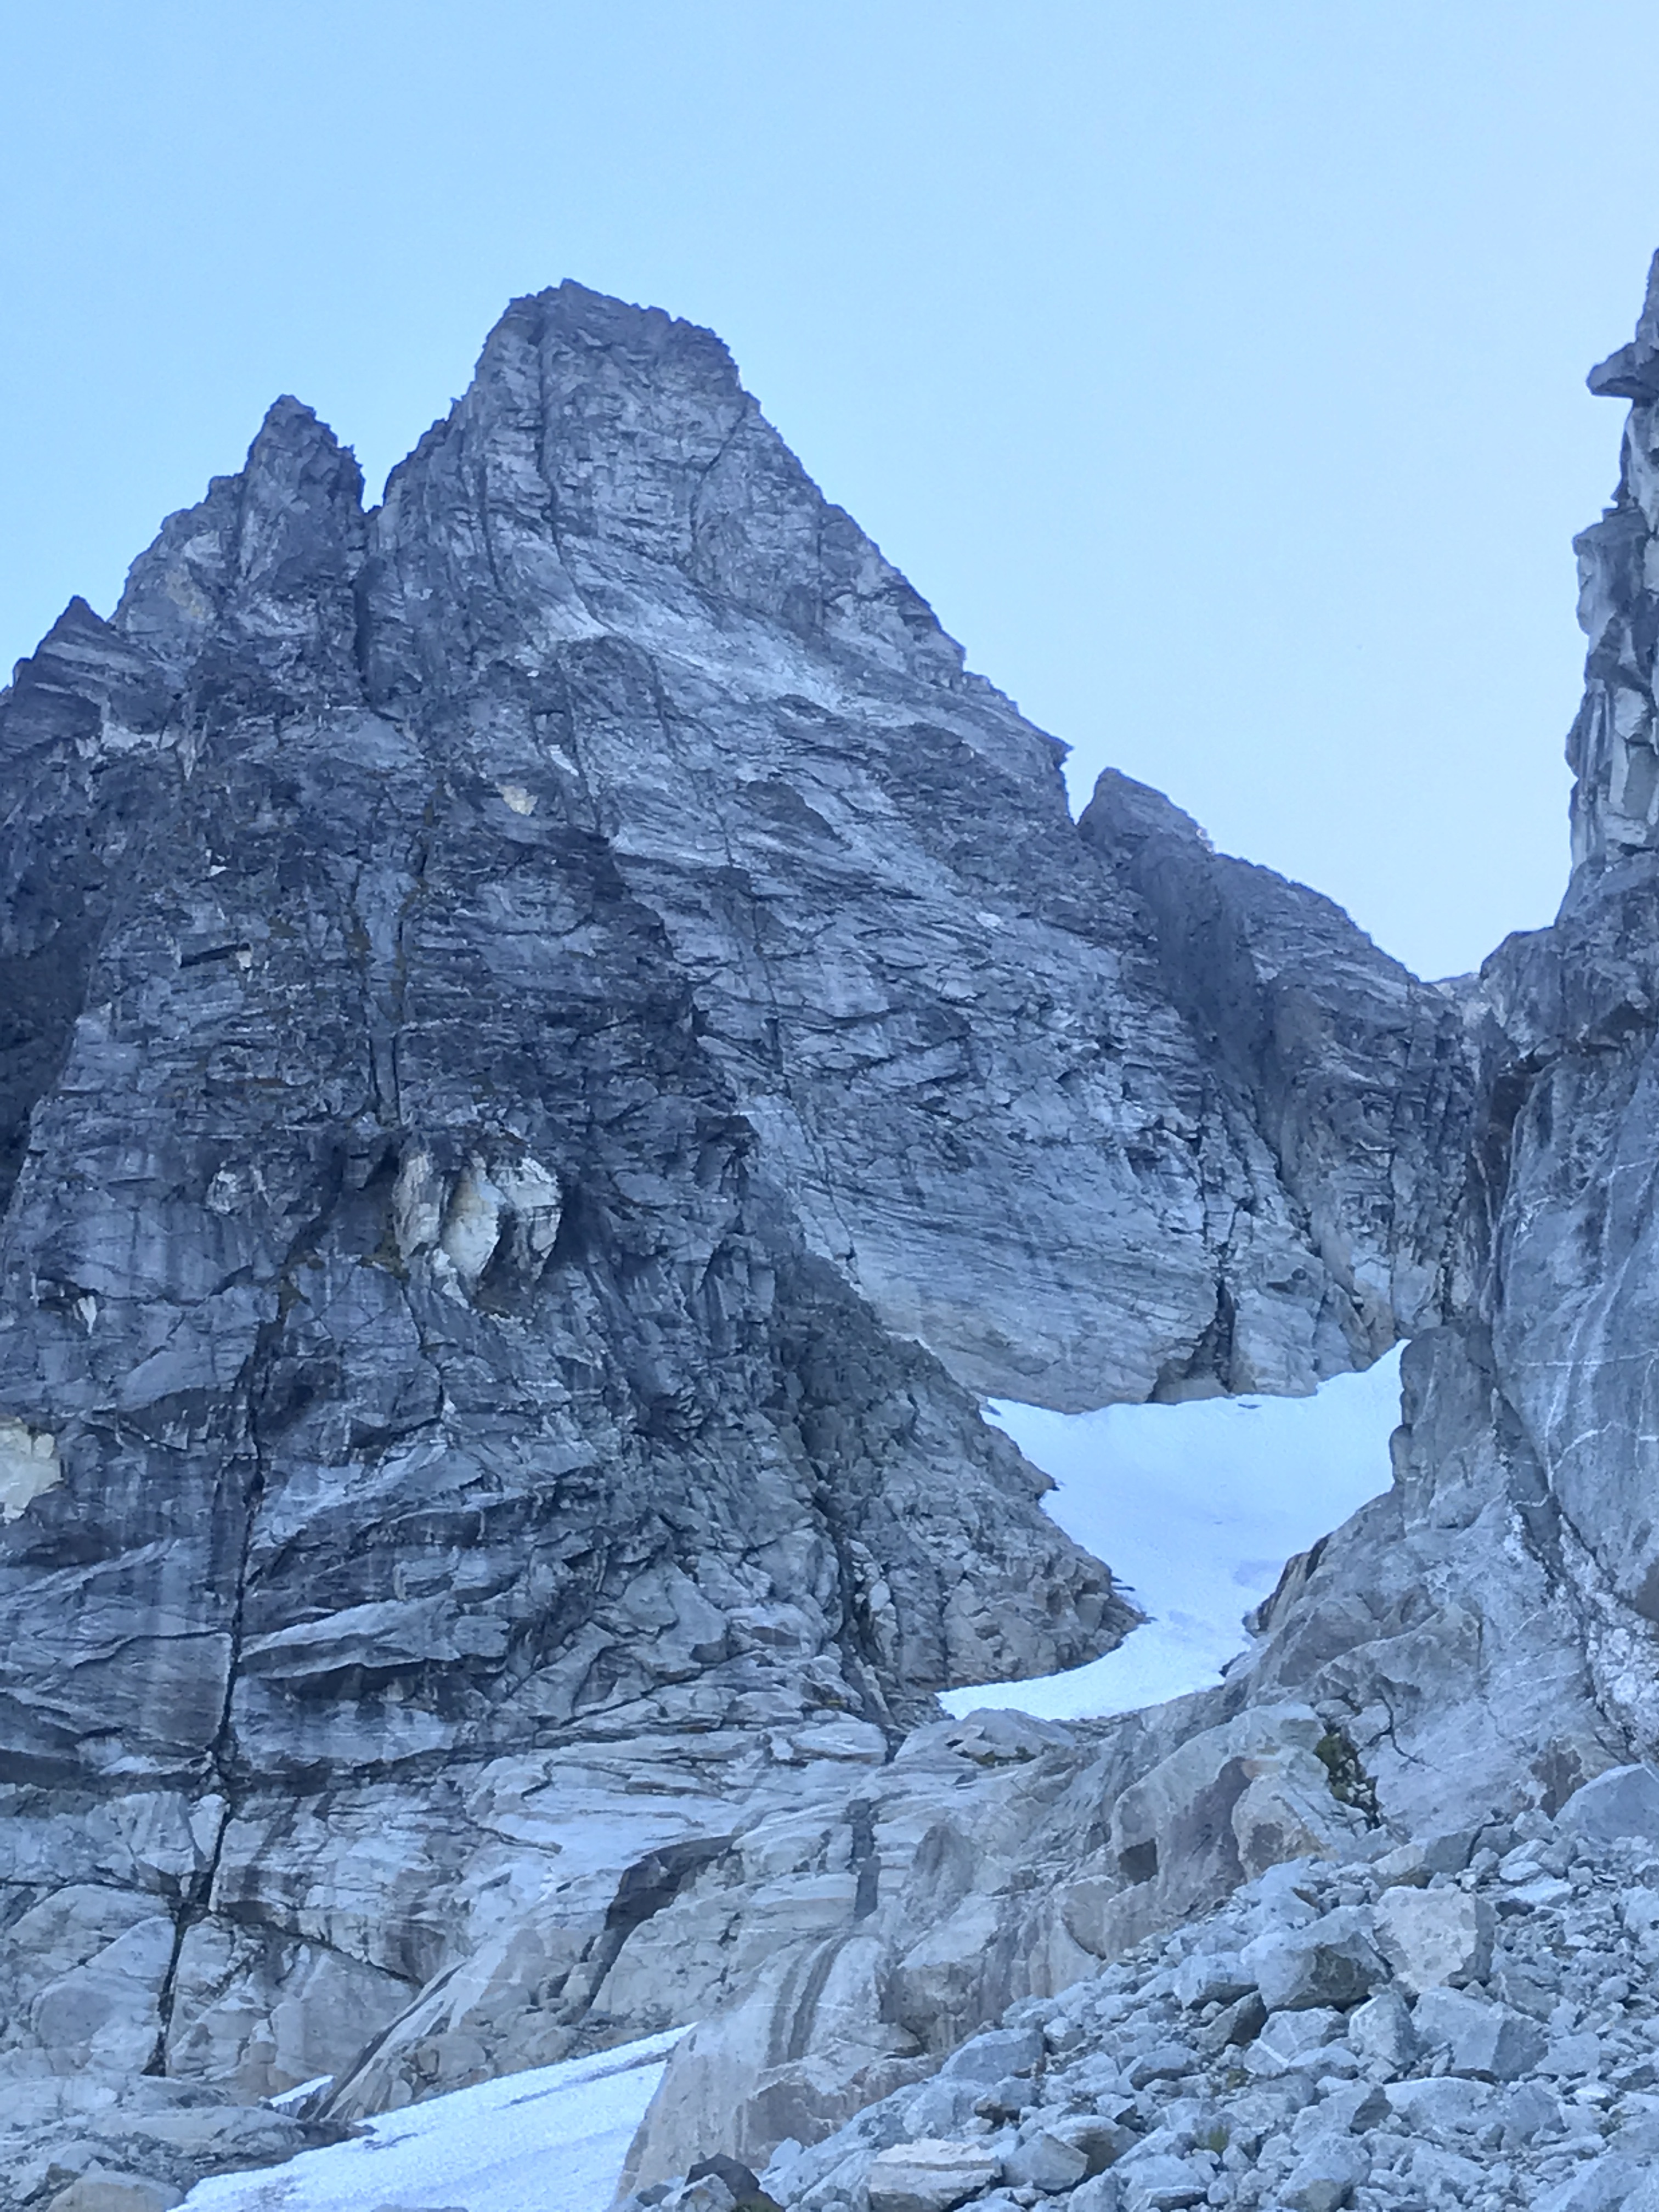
pixel 1504 1593
pixel 555 1039
pixel 1480 1643
pixel 556 1044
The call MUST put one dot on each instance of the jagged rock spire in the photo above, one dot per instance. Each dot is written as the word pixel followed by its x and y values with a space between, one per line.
pixel 263 566
pixel 1613 745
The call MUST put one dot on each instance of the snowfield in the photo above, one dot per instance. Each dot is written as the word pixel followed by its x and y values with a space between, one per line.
pixel 552 2140
pixel 1195 1508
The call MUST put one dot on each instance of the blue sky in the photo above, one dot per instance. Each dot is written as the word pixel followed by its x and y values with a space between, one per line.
pixel 1216 369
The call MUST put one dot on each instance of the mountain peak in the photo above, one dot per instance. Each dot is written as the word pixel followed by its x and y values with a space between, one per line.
pixel 1633 373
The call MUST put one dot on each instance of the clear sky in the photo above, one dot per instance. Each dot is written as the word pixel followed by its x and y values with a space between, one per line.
pixel 1215 367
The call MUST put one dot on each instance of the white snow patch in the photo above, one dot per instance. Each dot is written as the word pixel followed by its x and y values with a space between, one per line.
pixel 1195 1508
pixel 552 2140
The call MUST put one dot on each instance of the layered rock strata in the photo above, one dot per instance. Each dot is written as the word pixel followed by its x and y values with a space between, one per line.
pixel 556 1040
pixel 1487 1631
pixel 1480 1641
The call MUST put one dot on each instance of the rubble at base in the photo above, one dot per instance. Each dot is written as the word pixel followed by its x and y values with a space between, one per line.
pixel 86 2143
pixel 1471 2021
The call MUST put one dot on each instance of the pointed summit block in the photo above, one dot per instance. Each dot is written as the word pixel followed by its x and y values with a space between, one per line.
pixel 617 469
pixel 1633 373
pixel 268 556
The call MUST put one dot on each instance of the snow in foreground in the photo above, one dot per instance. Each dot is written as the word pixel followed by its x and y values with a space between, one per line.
pixel 552 2140
pixel 1195 1508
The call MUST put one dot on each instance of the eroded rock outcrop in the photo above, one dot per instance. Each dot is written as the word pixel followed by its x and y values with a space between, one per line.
pixel 1294 2050
pixel 556 1040
pixel 1487 1631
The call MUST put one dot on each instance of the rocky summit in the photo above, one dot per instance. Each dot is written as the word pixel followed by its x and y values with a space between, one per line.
pixel 556 1047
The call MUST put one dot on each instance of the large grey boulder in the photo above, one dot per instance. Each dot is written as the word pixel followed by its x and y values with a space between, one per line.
pixel 1493 2042
pixel 1333 1960
pixel 1624 1802
pixel 1381 2032
pixel 929 2176
pixel 1434 1936
pixel 1326 2177
pixel 99 2191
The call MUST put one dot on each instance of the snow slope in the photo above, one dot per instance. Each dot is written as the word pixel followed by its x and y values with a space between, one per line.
pixel 552 2140
pixel 1196 1507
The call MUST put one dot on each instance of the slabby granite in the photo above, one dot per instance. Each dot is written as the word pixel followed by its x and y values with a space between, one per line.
pixel 557 1044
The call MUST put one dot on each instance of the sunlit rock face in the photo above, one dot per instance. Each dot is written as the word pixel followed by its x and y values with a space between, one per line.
pixel 556 1041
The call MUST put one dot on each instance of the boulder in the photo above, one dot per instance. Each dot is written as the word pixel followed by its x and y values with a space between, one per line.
pixel 1443 2107
pixel 99 2191
pixel 990 2056
pixel 1381 2034
pixel 1573 2057
pixel 1008 2099
pixel 1351 2107
pixel 1162 2182
pixel 1490 2041
pixel 1100 2193
pixel 1236 2023
pixel 1326 2177
pixel 1162 2062
pixel 1608 2184
pixel 1046 2161
pixel 1623 1801
pixel 1434 1937
pixel 1289 2037
pixel 930 2175
pixel 1101 2140
pixel 1331 1961
pixel 1212 1978
pixel 942 2107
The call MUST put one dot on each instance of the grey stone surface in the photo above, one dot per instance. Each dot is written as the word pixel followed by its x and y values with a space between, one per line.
pixel 1493 2042
pixel 1624 1802
pixel 557 1043
pixel 1488 1628
pixel 1290 2037
pixel 1326 2176
pixel 1001 2051
pixel 98 2190
pixel 928 2176
pixel 1380 2032
pixel 1046 2161
pixel 1269 2138
pixel 1333 1960
pixel 1435 1936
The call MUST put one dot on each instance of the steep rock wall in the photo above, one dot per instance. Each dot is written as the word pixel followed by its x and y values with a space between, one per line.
pixel 559 1040
pixel 1475 1164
